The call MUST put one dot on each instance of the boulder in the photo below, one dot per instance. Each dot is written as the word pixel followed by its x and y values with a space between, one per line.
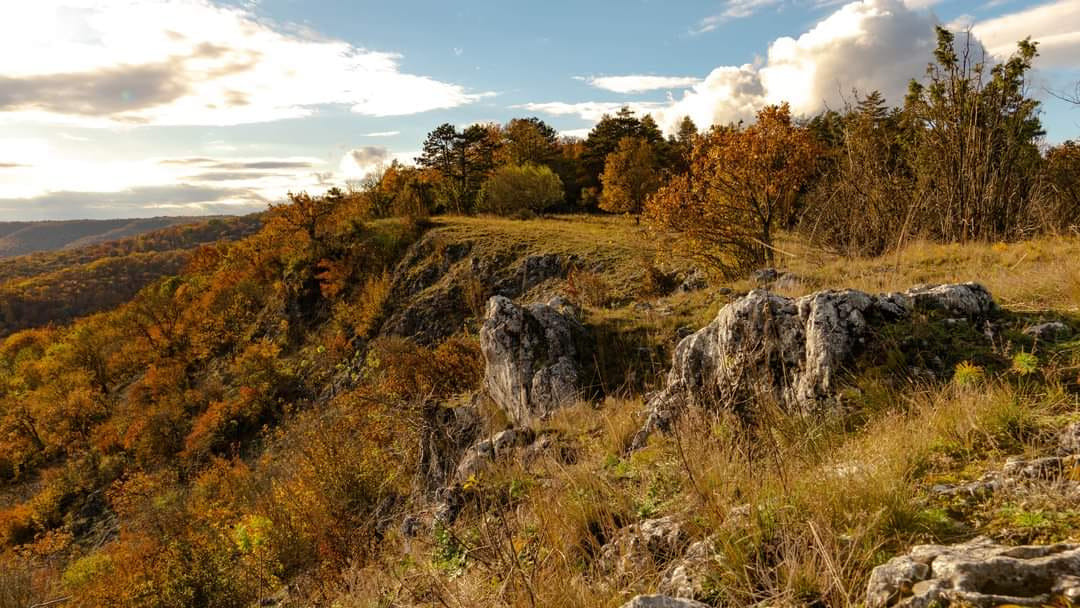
pixel 532 356
pixel 482 453
pixel 790 351
pixel 1048 332
pixel 661 601
pixel 979 574
pixel 685 577
pixel 652 541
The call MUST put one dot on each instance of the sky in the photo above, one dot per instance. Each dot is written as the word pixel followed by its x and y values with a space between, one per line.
pixel 139 108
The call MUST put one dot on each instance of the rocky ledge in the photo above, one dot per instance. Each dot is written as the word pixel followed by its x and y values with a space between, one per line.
pixel 788 351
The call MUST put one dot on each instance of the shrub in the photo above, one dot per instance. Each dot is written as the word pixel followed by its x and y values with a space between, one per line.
pixel 513 189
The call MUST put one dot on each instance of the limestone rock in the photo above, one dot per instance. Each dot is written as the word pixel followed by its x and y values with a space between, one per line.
pixel 482 453
pixel 661 601
pixel 789 351
pixel 1048 332
pixel 654 541
pixel 685 578
pixel 532 357
pixel 978 573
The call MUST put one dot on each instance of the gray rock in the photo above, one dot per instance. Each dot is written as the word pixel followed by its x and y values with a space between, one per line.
pixel 788 351
pixel 685 578
pixel 655 541
pixel 500 445
pixel 695 280
pixel 661 601
pixel 978 573
pixel 531 355
pixel 1049 332
pixel 1069 440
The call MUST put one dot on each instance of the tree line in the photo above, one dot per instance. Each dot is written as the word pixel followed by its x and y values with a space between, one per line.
pixel 961 158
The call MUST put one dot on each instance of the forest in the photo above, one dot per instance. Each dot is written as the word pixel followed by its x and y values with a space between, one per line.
pixel 276 410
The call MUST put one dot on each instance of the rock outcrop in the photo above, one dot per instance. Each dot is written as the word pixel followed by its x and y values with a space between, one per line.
pixel 661 601
pixel 1062 466
pixel 483 453
pixel 655 541
pixel 1049 332
pixel 979 574
pixel 532 356
pixel 790 351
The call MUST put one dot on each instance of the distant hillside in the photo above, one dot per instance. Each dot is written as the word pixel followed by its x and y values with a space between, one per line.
pixel 20 238
pixel 58 286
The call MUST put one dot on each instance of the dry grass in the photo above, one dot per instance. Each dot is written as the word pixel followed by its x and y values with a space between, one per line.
pixel 1025 276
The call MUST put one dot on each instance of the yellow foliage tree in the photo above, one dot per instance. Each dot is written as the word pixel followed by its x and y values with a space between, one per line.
pixel 742 186
pixel 630 176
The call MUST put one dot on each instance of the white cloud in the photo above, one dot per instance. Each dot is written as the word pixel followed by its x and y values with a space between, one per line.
pixel 190 62
pixel 361 161
pixel 588 110
pixel 733 9
pixel 864 45
pixel 578 133
pixel 382 134
pixel 52 186
pixel 640 83
pixel 1054 25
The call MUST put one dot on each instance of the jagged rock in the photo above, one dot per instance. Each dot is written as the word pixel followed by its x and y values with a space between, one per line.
pixel 1048 332
pixel 790 351
pixel 1069 440
pixel 531 356
pixel 482 453
pixel 695 280
pixel 449 502
pixel 1019 470
pixel 979 574
pixel 765 276
pixel 533 270
pixel 771 278
pixel 661 601
pixel 653 540
pixel 685 578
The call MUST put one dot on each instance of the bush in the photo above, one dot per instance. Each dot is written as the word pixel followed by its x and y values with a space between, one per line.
pixel 514 189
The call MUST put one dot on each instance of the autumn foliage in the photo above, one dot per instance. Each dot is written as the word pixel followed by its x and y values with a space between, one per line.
pixel 742 187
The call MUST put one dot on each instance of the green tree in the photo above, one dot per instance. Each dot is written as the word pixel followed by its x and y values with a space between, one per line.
pixel 514 189
pixel 529 140
pixel 973 147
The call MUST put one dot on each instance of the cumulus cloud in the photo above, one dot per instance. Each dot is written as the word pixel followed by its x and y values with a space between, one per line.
pixel 361 161
pixel 864 45
pixel 1054 25
pixel 191 62
pixel 639 83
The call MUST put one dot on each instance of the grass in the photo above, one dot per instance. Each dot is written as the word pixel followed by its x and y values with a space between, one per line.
pixel 799 510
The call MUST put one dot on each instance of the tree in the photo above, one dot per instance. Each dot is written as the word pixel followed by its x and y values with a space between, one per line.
pixel 630 176
pixel 973 146
pixel 514 189
pixel 742 186
pixel 1061 178
pixel 606 135
pixel 529 140
pixel 463 159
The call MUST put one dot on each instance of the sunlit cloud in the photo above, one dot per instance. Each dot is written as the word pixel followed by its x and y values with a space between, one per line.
pixel 639 83
pixel 190 62
pixel 1054 25
pixel 588 110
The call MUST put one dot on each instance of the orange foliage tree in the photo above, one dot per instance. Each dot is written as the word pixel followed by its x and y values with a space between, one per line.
pixel 742 186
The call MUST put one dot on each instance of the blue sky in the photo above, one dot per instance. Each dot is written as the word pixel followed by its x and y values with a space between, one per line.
pixel 165 107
